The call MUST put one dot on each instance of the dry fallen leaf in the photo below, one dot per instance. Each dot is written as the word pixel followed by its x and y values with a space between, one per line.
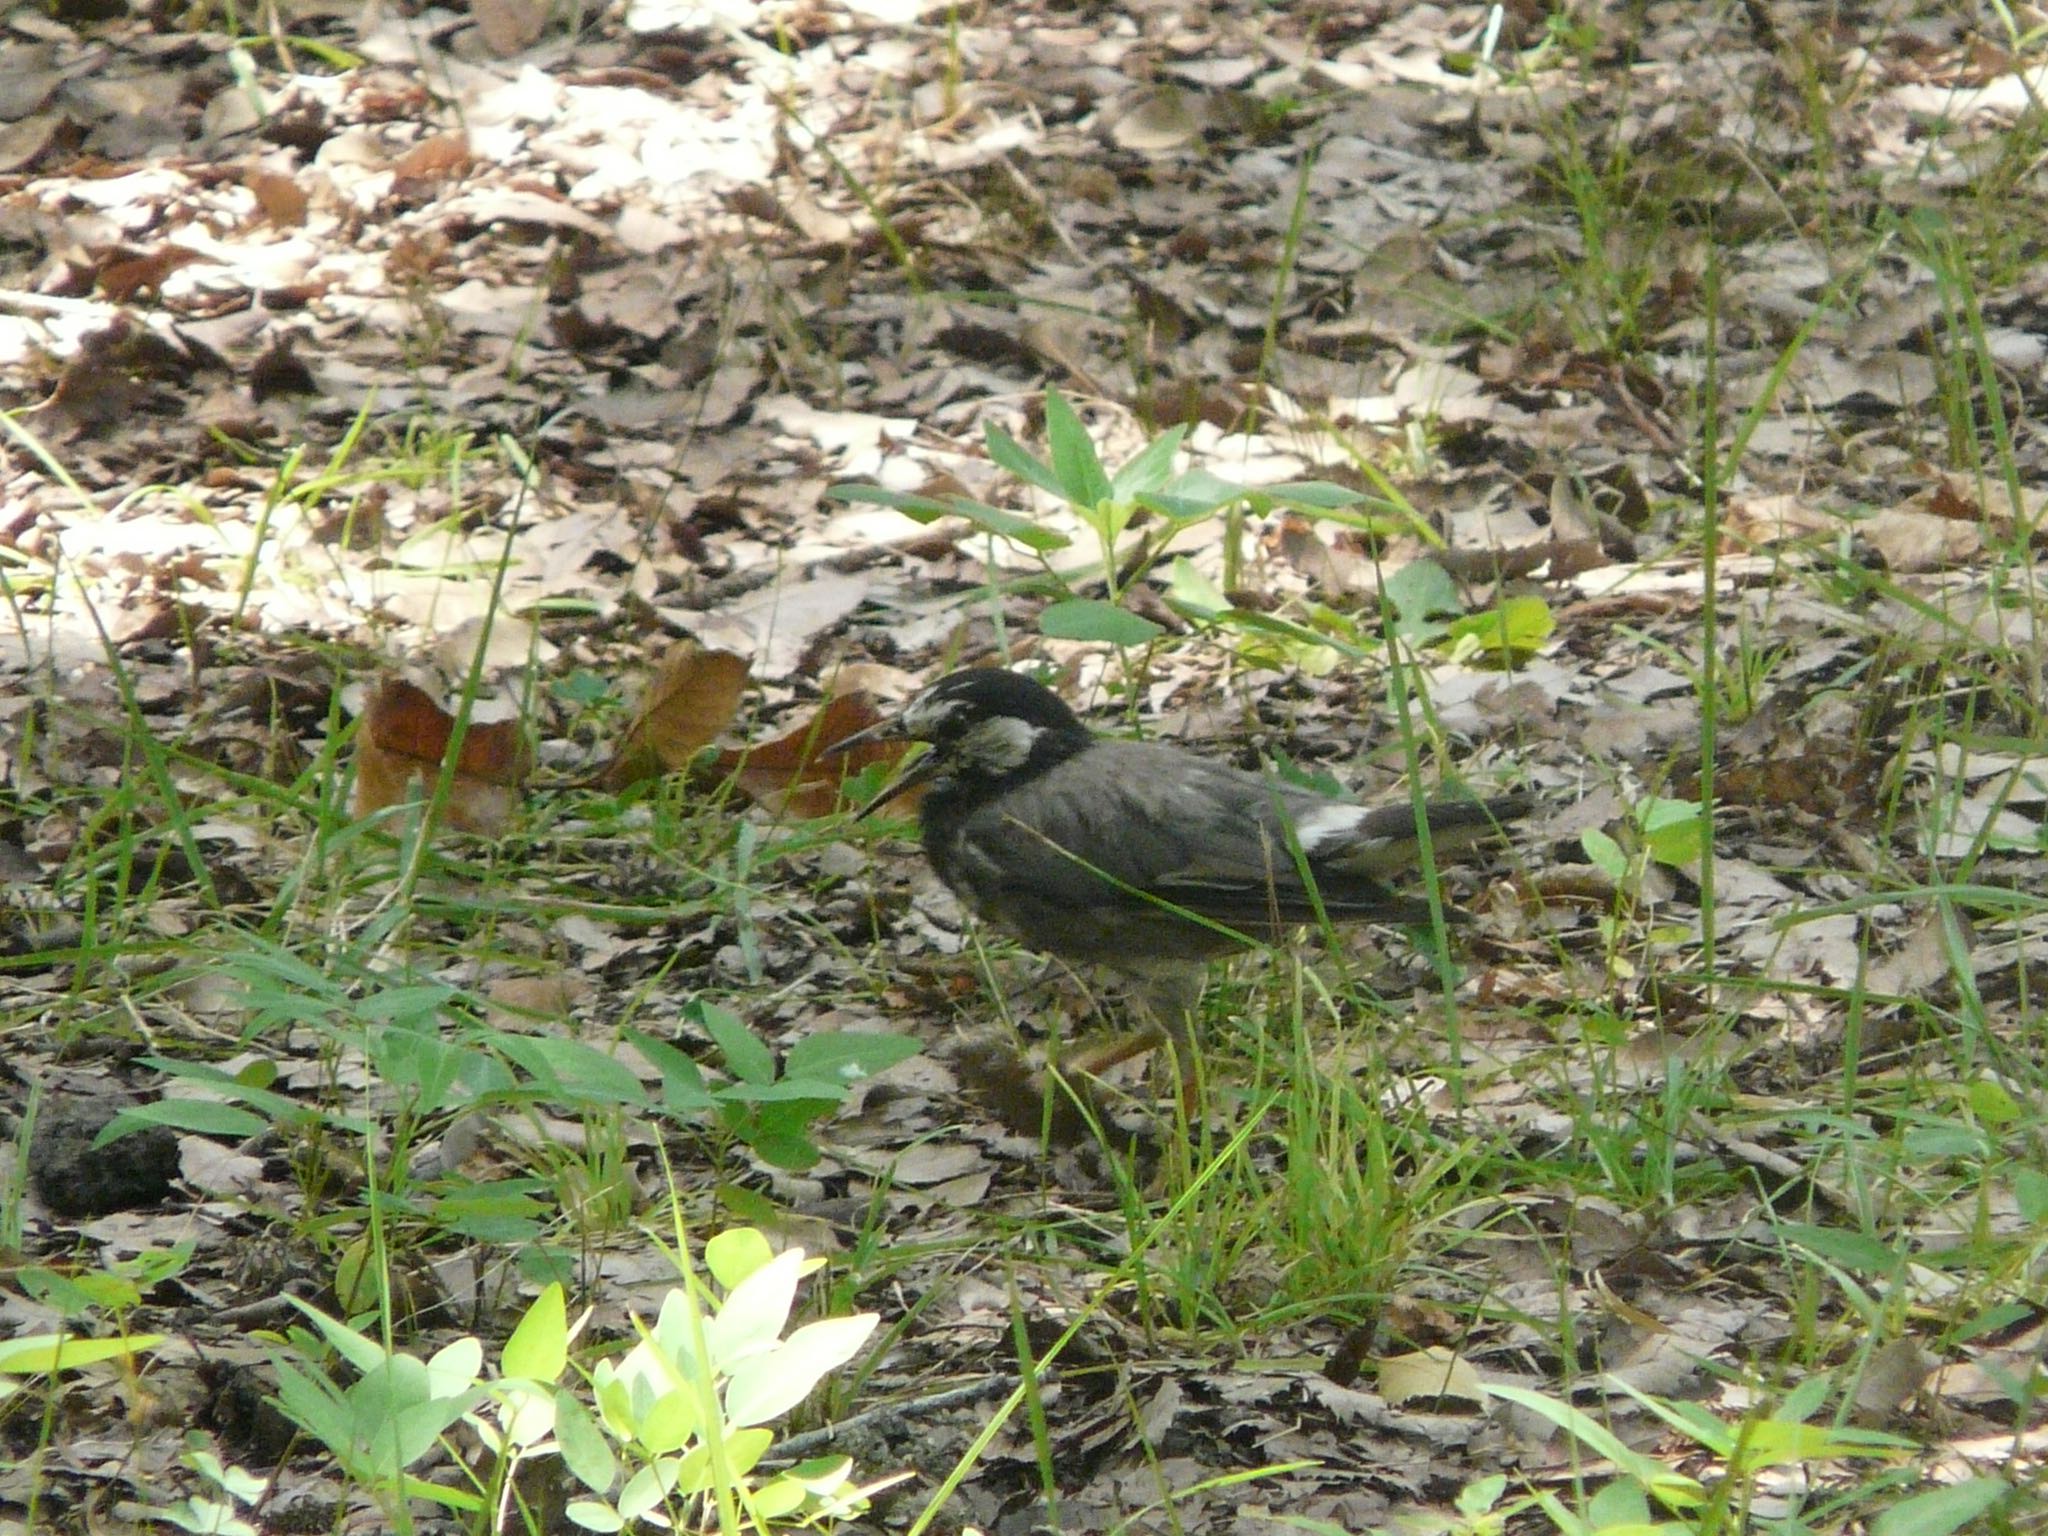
pixel 444 157
pixel 694 697
pixel 280 197
pixel 510 25
pixel 1434 1377
pixel 791 774
pixel 406 735
pixel 123 277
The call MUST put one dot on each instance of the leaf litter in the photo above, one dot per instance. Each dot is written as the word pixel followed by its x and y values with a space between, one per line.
pixel 698 267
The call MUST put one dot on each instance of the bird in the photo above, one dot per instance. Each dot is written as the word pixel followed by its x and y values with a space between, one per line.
pixel 1143 857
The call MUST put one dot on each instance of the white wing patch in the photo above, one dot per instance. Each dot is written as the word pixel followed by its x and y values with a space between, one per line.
pixel 1328 824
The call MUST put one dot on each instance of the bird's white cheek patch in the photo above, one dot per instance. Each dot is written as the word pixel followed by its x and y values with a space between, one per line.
pixel 1328 824
pixel 999 743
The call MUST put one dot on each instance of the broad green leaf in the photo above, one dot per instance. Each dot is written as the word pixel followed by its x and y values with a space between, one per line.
pixel 613 1395
pixel 1941 1511
pixel 205 1517
pixel 1188 591
pixel 418 1005
pixel 668 1423
pixel 745 1448
pixel 1935 1143
pixel 1657 813
pixel 823 1474
pixel 595 1515
pixel 527 1414
pixel 572 1070
pixel 539 1346
pixel 399 1416
pixel 1186 508
pixel 671 1353
pixel 1621 1508
pixel 1010 525
pixel 585 1451
pixel 153 1266
pixel 1009 454
pixel 755 1311
pixel 204 1116
pixel 1310 495
pixel 843 1056
pixel 1991 1103
pixel 1149 468
pixel 1852 1250
pixel 2030 1191
pixel 778 1498
pixel 736 1253
pixel 358 1277
pixel 503 1212
pixel 1604 853
pixel 1781 1443
pixel 646 1489
pixel 261 1072
pixel 682 1081
pixel 426 1064
pixel 822 1095
pixel 1476 1498
pixel 359 1350
pixel 791 1151
pixel 1692 1420
pixel 769 1386
pixel 695 1472
pixel 1075 464
pixel 232 1480
pixel 455 1366
pixel 460 1500
pixel 1511 631
pixel 314 1404
pixel 41 1353
pixel 925 509
pixel 745 1056
pixel 1091 618
pixel 245 1087
pixel 1419 592
pixel 1674 831
pixel 77 1295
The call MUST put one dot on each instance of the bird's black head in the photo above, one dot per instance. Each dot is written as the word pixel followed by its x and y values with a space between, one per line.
pixel 986 724
pixel 987 730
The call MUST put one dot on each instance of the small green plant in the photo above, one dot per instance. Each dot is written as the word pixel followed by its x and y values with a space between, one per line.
pixel 1650 1496
pixel 1109 504
pixel 1739 682
pixel 668 1435
pixel 1427 611
pixel 770 1112
pixel 44 1355
pixel 1660 831
pixel 1137 511
pixel 115 1290
pixel 428 1042
pixel 203 1514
